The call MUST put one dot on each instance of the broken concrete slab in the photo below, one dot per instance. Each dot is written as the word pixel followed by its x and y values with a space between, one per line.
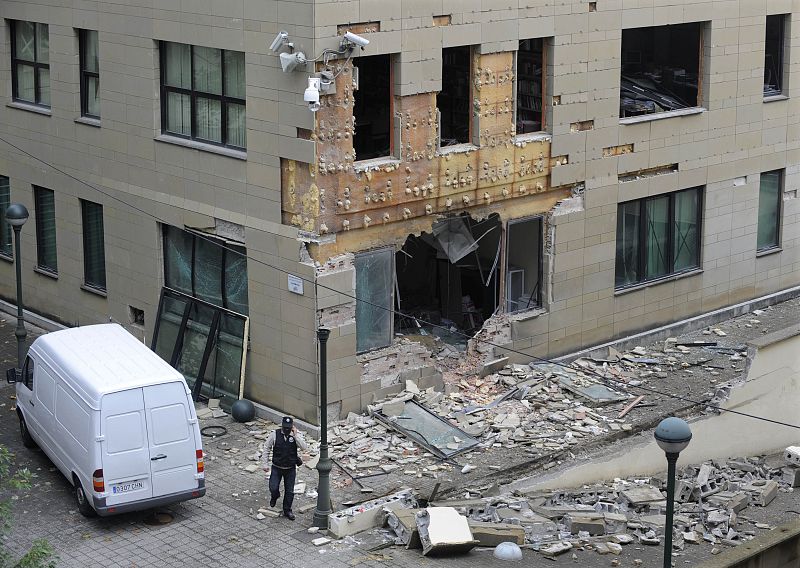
pixel 593 523
pixel 493 366
pixel 492 534
pixel 369 514
pixel 404 524
pixel 442 530
pixel 640 495
pixel 553 550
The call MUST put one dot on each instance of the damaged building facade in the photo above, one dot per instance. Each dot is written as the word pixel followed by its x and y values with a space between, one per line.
pixel 545 175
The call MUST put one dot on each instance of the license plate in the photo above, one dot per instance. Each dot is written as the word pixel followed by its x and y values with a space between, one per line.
pixel 127 487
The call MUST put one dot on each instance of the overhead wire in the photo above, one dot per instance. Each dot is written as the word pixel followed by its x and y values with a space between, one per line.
pixel 603 379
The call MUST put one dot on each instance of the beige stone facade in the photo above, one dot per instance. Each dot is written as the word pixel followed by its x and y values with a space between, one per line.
pixel 303 203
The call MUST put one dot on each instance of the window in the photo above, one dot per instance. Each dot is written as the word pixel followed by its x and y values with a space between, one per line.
pixel 660 69
pixel 773 56
pixel 5 226
pixel 27 373
pixel 90 74
pixel 30 62
pixel 373 107
pixel 523 264
pixel 94 254
pixel 206 268
pixel 530 86
pixel 374 285
pixel 769 210
pixel 44 201
pixel 203 94
pixel 454 101
pixel 658 236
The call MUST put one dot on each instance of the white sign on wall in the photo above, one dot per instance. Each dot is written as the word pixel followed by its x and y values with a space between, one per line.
pixel 295 284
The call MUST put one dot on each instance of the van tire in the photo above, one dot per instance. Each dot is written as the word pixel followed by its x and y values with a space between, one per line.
pixel 27 439
pixel 84 508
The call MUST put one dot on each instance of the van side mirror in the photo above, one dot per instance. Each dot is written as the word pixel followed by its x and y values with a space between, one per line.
pixel 13 376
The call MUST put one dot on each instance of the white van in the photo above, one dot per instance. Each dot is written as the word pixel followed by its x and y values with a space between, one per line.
pixel 116 419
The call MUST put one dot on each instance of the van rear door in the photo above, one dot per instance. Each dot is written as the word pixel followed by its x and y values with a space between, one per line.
pixel 126 452
pixel 173 457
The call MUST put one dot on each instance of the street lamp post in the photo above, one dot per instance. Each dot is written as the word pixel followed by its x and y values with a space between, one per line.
pixel 672 435
pixel 324 464
pixel 16 215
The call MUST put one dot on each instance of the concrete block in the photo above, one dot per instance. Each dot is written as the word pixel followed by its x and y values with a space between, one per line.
pixel 791 475
pixel 593 523
pixel 762 491
pixel 368 515
pixel 492 534
pixel 792 455
pixel 404 524
pixel 494 366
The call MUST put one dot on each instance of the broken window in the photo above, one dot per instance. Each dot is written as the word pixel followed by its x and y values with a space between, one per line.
pixel 454 101
pixel 530 86
pixel 374 287
pixel 372 108
pixel 448 277
pixel 207 268
pixel 523 264
pixel 773 55
pixel 660 69
pixel 658 236
pixel 429 430
pixel 769 210
pixel 206 343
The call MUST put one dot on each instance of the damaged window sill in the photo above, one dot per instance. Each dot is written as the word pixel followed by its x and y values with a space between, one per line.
pixel 375 164
pixel 457 149
pixel 662 115
pixel 670 278
pixel 529 314
pixel 773 98
pixel 532 137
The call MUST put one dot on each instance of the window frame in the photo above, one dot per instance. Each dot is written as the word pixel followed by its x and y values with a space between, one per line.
pixel 779 66
pixel 391 88
pixel 539 219
pixel 778 212
pixel 228 248
pixel 194 94
pixel 86 74
pixel 702 30
pixel 6 231
pixel 40 239
pixel 470 141
pixel 28 367
pixel 37 66
pixel 543 95
pixel 95 286
pixel 642 238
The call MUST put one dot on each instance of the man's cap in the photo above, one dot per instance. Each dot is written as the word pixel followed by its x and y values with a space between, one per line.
pixel 287 421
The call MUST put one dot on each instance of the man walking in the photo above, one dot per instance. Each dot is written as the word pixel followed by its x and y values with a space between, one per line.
pixel 284 443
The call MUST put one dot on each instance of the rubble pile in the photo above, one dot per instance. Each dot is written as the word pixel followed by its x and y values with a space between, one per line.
pixel 711 507
pixel 537 408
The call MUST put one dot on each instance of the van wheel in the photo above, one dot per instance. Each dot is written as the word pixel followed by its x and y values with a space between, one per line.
pixel 84 507
pixel 27 439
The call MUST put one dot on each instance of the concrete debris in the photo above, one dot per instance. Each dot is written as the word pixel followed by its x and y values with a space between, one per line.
pixel 442 530
pixel 368 515
pixel 321 541
pixel 493 534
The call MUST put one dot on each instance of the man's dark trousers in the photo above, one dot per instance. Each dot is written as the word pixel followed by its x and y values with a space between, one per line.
pixel 288 476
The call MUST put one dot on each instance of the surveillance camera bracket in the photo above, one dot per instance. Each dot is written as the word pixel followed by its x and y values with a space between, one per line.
pixel 327 83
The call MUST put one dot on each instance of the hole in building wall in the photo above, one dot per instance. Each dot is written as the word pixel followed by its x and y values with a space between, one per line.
pixel 530 86
pixel 135 315
pixel 450 276
pixel 443 20
pixel 454 101
pixel 523 264
pixel 593 6
pixel 660 69
pixel 373 107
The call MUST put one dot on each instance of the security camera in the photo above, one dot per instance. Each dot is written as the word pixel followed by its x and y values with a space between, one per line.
pixel 280 40
pixel 354 39
pixel 311 94
pixel 291 61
